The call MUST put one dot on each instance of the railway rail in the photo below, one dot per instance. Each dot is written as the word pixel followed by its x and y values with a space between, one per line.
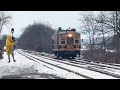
pixel 85 62
pixel 77 65
pixel 34 59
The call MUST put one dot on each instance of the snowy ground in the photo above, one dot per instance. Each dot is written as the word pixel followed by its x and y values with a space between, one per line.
pixel 27 69
pixel 90 73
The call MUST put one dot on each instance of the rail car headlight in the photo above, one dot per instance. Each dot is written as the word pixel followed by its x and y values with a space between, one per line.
pixel 69 35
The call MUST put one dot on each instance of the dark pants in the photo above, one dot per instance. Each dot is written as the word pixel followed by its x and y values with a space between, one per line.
pixel 12 56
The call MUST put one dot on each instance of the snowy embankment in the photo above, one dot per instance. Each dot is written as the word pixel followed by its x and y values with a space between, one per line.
pixel 26 68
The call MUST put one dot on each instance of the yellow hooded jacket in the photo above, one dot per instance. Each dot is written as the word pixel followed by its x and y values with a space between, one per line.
pixel 9 44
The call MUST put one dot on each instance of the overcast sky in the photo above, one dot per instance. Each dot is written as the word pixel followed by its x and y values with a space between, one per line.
pixel 22 19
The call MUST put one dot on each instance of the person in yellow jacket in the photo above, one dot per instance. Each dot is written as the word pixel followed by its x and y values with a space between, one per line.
pixel 9 45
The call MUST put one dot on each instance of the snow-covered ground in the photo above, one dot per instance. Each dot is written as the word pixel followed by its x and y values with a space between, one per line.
pixel 90 73
pixel 25 68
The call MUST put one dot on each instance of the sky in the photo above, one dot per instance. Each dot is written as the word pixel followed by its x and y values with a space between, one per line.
pixel 21 19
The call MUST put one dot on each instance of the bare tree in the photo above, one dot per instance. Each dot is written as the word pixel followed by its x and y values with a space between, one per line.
pixel 111 22
pixel 89 27
pixel 101 26
pixel 106 24
pixel 4 19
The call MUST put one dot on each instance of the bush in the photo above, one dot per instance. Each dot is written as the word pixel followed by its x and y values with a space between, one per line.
pixel 101 56
pixel 36 37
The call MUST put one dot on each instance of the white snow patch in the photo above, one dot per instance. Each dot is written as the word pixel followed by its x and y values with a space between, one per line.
pixel 90 73
pixel 24 66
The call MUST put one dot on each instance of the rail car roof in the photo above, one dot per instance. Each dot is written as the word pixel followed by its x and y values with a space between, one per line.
pixel 73 32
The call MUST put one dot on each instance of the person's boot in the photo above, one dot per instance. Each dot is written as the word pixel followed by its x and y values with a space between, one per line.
pixel 9 61
pixel 9 58
pixel 14 60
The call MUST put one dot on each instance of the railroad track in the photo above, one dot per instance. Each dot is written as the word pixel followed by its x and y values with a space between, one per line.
pixel 90 68
pixel 34 59
pixel 97 65
pixel 82 61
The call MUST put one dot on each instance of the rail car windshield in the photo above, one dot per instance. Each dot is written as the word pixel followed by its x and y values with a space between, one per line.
pixel 69 40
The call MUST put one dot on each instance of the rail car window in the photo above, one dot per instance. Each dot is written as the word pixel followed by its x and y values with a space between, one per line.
pixel 62 42
pixel 76 41
pixel 70 40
